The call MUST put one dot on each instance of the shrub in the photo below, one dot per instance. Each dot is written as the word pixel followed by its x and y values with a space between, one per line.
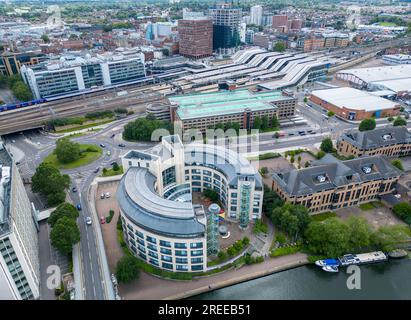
pixel 246 241
pixel 398 164
pixel 110 216
pixel 127 269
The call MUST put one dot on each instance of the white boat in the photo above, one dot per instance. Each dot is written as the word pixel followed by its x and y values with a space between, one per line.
pixel 327 262
pixel 330 268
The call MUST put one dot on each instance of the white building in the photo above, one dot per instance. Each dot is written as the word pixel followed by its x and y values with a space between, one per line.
pixel 71 74
pixel 256 15
pixel 397 59
pixel 163 29
pixel 161 225
pixel 19 255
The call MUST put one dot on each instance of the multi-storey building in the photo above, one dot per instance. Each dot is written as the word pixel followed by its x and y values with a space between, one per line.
pixel 76 74
pixel 196 37
pixel 331 184
pixel 161 224
pixel 256 15
pixel 204 111
pixel 280 20
pixel 262 40
pixel 226 24
pixel 11 62
pixel 19 256
pixel 387 141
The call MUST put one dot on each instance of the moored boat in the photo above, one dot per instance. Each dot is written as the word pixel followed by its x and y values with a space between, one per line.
pixel 397 253
pixel 327 262
pixel 330 268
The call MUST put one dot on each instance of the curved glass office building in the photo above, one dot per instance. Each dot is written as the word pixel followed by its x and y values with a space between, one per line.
pixel 161 224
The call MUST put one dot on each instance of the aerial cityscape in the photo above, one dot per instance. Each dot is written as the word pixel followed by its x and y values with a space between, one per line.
pixel 205 150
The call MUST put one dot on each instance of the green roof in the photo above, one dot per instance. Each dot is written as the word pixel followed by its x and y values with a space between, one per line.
pixel 224 102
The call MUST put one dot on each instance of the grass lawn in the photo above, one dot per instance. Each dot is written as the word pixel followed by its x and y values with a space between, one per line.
pixel 387 24
pixel 86 157
pixel 323 216
pixel 265 156
pixel 85 126
pixel 110 172
pixel 370 205
pixel 284 251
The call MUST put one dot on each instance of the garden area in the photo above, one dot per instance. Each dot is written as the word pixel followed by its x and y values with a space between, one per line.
pixel 70 155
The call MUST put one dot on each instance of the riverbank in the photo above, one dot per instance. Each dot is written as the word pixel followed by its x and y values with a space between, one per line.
pixel 149 287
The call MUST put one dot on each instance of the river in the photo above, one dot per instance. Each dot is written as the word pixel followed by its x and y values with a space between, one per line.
pixel 389 280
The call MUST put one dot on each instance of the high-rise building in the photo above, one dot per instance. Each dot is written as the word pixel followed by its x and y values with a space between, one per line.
pixel 196 37
pixel 256 15
pixel 280 20
pixel 296 24
pixel 19 255
pixel 226 23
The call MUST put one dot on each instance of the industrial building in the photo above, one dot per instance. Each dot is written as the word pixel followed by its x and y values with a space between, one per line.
pixel 161 224
pixel 353 104
pixel 72 74
pixel 196 37
pixel 394 59
pixel 331 184
pixel 204 111
pixel 387 141
pixel 19 250
pixel 394 78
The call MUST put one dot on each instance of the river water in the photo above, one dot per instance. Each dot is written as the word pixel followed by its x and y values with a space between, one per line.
pixel 389 280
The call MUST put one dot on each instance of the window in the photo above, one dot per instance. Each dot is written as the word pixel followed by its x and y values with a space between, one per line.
pixel 165 243
pixel 167 265
pixel 166 258
pixel 234 195
pixel 181 268
pixel 152 247
pixel 196 260
pixel 195 253
pixel 151 239
pixel 181 253
pixel 180 245
pixel 196 245
pixel 198 267
pixel 152 254
pixel 165 251
pixel 140 234
pixel 169 176
pixel 181 260
pixel 153 261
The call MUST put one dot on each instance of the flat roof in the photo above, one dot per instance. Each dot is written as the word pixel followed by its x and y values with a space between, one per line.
pixel 381 73
pixel 224 102
pixel 354 99
pixel 395 85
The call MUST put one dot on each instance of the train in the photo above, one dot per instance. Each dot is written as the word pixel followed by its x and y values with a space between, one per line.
pixel 7 107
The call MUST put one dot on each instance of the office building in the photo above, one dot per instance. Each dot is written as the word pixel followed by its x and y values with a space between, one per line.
pixel 11 62
pixel 331 184
pixel 19 251
pixel 205 110
pixel 387 141
pixel 226 24
pixel 161 224
pixel 279 20
pixel 256 15
pixel 353 104
pixel 72 74
pixel 196 37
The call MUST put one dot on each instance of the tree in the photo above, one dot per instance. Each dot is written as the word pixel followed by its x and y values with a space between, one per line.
pixel 142 128
pixel 63 210
pixel 399 122
pixel 21 91
pixel 305 99
pixel 330 114
pixel 360 232
pixel 329 237
pixel 264 123
pixel 293 219
pixel 67 151
pixel 398 164
pixel 279 47
pixel 45 38
pixel 64 235
pixel 116 167
pixel 274 122
pixel 403 211
pixel 47 180
pixel 367 124
pixel 212 195
pixel 257 123
pixel 127 269
pixel 327 145
pixel 56 198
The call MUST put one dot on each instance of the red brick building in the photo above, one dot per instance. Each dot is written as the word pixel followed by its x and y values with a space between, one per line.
pixel 196 37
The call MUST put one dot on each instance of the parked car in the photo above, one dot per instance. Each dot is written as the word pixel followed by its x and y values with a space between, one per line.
pixel 96 170
pixel 74 189
pixel 113 163
pixel 102 220
pixel 121 145
pixel 102 145
pixel 88 220
pixel 108 152
pixel 79 207
pixel 107 195
pixel 102 196
pixel 113 135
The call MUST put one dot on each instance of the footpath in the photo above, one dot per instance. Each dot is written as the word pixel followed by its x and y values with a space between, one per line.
pixel 150 287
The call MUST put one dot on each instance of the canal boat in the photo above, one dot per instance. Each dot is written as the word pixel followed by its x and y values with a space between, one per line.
pixel 397 253
pixel 362 258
